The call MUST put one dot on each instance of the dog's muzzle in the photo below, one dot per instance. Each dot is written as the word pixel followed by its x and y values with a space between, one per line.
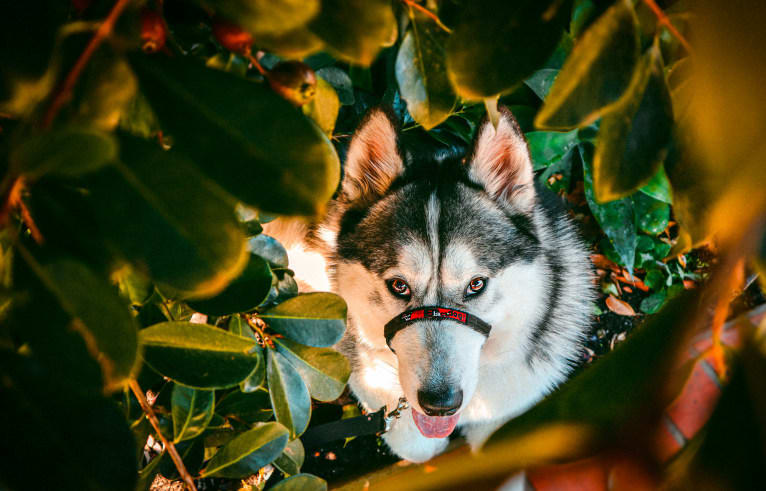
pixel 433 313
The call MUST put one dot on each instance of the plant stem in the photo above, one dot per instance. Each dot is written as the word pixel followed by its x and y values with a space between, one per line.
pixel 65 90
pixel 664 20
pixel 428 13
pixel 185 476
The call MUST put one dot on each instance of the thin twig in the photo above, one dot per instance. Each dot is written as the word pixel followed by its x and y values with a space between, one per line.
pixel 255 63
pixel 65 90
pixel 15 201
pixel 428 13
pixel 664 20
pixel 185 476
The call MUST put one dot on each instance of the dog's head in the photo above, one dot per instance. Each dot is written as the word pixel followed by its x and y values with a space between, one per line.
pixel 457 234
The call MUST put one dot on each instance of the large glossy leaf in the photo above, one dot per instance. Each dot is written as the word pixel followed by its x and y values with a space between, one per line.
pixel 192 411
pixel 67 151
pixel 651 215
pixel 249 408
pixel 198 355
pixel 324 370
pixel 546 147
pixel 596 73
pixel 497 44
pixel 421 72
pixel 633 137
pixel 355 30
pixel 266 17
pixel 289 395
pixel 94 311
pixel 82 441
pixel 658 187
pixel 269 249
pixel 302 482
pixel 248 139
pixel 245 293
pixel 248 452
pixel 324 107
pixel 292 458
pixel 616 218
pixel 181 227
pixel 314 319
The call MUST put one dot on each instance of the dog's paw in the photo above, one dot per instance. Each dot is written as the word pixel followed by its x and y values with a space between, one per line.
pixel 476 434
pixel 406 441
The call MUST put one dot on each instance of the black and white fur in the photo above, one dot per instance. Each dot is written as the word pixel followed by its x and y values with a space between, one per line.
pixel 437 225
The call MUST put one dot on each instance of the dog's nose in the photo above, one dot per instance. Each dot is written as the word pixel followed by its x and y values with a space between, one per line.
pixel 443 402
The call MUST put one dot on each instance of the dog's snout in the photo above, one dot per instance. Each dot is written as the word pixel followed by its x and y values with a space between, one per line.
pixel 442 402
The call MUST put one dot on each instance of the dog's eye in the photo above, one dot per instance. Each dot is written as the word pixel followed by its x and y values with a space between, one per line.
pixel 399 287
pixel 475 286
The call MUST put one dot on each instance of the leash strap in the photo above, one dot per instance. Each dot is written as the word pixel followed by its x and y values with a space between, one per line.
pixel 427 313
pixel 371 424
pixel 375 423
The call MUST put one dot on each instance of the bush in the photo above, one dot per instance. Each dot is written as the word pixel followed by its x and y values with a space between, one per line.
pixel 143 144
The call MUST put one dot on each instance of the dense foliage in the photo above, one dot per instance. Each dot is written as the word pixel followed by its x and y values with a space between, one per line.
pixel 144 143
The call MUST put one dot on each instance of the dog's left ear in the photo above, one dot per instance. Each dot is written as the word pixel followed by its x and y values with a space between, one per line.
pixel 501 162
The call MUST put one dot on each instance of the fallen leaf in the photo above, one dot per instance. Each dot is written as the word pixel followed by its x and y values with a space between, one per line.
pixel 602 262
pixel 689 284
pixel 619 307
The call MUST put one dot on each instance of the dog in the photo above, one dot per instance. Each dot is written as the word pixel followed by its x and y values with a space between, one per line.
pixel 471 239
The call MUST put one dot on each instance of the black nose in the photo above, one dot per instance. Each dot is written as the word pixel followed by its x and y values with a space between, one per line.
pixel 442 402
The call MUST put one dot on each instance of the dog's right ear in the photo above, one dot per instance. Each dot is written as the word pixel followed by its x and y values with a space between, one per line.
pixel 373 160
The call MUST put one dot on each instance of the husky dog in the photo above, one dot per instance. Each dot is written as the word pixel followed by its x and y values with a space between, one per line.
pixel 474 235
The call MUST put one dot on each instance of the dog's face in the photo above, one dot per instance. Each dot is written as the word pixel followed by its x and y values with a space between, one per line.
pixel 456 235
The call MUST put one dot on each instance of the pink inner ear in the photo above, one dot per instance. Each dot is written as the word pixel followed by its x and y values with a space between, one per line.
pixel 501 163
pixel 373 160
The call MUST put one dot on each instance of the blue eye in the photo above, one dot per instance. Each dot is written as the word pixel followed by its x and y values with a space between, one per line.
pixel 399 288
pixel 475 286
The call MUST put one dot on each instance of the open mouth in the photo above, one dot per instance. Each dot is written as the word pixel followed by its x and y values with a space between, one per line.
pixel 435 426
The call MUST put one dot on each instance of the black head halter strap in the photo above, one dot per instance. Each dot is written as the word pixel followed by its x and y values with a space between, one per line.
pixel 433 313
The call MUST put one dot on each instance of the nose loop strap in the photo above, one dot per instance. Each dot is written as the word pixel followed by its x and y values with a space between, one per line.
pixel 433 313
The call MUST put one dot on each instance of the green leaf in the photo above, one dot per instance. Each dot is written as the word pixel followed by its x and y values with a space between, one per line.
pixel 292 458
pixel 421 72
pixel 82 438
pixel 545 147
pixel 497 44
pixel 265 17
pixel 633 138
pixel 541 81
pixel 198 355
pixel 95 313
pixel 182 228
pixel 314 319
pixel 616 218
pixel 245 137
pixel 653 303
pixel 596 73
pixel 244 294
pixel 192 411
pixel 355 30
pixel 68 151
pixel 324 107
pixel 658 187
pixel 289 395
pixel 324 370
pixel 133 285
pixel 340 81
pixel 248 452
pixel 651 215
pixel 301 482
pixel 269 249
pixel 252 407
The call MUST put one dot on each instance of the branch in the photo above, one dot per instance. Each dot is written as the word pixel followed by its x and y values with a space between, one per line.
pixel 185 476
pixel 665 21
pixel 428 13
pixel 64 92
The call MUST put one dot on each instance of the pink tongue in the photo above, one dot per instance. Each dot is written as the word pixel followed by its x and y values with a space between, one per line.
pixel 435 426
